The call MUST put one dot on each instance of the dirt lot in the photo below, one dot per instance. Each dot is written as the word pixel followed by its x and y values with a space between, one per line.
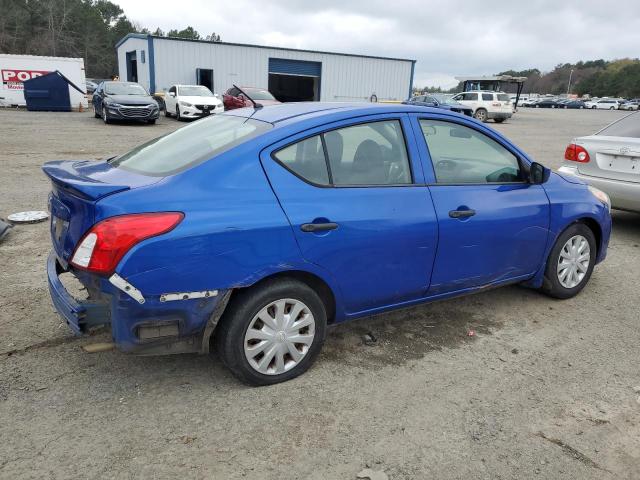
pixel 546 389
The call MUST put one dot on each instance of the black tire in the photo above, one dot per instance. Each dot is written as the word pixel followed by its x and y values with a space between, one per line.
pixel 95 112
pixel 178 116
pixel 229 335
pixel 105 117
pixel 551 285
pixel 499 120
pixel 481 114
pixel 166 113
pixel 537 106
pixel 594 107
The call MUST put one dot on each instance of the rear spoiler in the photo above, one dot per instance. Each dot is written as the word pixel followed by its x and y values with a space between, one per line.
pixel 68 175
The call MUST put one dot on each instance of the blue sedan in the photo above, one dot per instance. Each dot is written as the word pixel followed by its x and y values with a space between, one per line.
pixel 254 230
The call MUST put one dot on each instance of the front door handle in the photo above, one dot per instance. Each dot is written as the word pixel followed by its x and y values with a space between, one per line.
pixel 318 227
pixel 462 213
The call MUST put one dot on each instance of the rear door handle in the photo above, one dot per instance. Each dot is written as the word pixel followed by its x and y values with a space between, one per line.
pixel 318 227
pixel 462 213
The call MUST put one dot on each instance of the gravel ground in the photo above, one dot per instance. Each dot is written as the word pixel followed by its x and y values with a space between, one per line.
pixel 545 389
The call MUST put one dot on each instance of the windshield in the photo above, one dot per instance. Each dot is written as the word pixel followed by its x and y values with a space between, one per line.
pixel 628 126
pixel 190 145
pixel 196 91
pixel 256 94
pixel 445 99
pixel 120 88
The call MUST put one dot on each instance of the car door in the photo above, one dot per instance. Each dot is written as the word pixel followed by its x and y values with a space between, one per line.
pixel 171 100
pixel 493 223
pixel 468 98
pixel 355 197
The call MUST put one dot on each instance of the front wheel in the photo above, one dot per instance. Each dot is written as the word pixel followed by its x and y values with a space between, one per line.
pixel 481 114
pixel 271 333
pixel 178 116
pixel 570 262
pixel 105 117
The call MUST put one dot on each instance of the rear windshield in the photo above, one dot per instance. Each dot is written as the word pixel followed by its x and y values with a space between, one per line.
pixel 628 126
pixel 190 145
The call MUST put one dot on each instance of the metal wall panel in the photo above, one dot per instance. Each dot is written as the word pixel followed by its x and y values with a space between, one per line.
pixel 344 78
pixel 139 45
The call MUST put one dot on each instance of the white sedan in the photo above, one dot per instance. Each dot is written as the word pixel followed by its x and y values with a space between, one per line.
pixel 191 101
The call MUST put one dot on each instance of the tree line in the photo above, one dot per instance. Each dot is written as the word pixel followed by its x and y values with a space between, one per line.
pixel 87 29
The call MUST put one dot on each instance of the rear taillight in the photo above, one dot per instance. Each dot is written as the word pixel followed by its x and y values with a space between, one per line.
pixel 576 153
pixel 104 245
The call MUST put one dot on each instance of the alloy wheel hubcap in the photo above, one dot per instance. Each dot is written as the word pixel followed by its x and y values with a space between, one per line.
pixel 279 336
pixel 573 262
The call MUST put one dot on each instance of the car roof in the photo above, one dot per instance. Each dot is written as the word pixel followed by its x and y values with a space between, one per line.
pixel 286 111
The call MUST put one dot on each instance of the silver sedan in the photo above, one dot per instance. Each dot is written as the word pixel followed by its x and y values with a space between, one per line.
pixel 609 160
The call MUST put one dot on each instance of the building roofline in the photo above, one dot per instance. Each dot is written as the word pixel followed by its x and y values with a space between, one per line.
pixel 231 44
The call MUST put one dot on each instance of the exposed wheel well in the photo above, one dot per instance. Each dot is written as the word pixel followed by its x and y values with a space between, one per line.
pixel 316 283
pixel 595 228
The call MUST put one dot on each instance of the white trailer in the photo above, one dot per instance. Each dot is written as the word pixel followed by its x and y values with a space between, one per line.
pixel 15 69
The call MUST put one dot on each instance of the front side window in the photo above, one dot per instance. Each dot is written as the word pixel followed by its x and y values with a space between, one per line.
pixel 306 159
pixel 190 145
pixel 462 155
pixel 365 154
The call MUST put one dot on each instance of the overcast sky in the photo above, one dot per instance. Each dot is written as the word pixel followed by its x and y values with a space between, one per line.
pixel 447 38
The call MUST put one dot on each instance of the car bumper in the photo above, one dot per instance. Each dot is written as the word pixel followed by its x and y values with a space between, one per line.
pixel 156 326
pixel 623 195
pixel 499 115
pixel 195 112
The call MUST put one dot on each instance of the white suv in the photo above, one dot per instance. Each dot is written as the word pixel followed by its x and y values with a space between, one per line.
pixel 603 104
pixel 487 105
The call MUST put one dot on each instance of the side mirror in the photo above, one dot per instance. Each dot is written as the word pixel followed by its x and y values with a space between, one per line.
pixel 538 174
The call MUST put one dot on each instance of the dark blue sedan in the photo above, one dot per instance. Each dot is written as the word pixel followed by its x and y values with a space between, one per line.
pixel 439 100
pixel 254 230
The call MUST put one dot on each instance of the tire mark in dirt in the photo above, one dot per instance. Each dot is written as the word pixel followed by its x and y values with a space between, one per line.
pixel 573 453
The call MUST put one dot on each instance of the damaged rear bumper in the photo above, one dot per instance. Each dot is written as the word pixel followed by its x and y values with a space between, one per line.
pixel 149 325
pixel 80 315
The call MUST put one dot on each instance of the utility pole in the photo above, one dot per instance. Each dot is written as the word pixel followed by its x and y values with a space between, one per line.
pixel 569 85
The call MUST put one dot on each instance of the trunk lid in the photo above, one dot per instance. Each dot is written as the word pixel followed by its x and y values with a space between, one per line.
pixel 615 158
pixel 76 187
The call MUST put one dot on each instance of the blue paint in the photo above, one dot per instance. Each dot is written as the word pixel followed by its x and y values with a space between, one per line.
pixel 152 66
pixel 413 67
pixel 395 245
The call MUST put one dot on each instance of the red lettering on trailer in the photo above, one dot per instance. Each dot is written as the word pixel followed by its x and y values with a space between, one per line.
pixel 13 78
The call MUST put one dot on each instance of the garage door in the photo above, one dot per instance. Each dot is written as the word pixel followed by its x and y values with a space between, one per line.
pixel 294 67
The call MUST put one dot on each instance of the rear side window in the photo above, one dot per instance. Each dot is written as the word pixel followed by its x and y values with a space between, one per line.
pixel 368 154
pixel 628 126
pixel 471 96
pixel 365 154
pixel 487 96
pixel 503 97
pixel 306 159
pixel 190 145
pixel 463 155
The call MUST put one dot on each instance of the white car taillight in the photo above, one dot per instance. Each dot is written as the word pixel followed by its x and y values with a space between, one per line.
pixel 82 255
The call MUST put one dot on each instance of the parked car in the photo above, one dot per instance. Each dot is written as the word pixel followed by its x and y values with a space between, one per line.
pixel 124 101
pixel 579 104
pixel 230 230
pixel 487 105
pixel 610 160
pixel 191 101
pixel 234 98
pixel 603 104
pixel 546 103
pixel 440 101
pixel 630 105
pixel 90 86
pixel 528 102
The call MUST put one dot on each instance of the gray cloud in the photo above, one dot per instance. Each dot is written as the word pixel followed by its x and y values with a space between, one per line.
pixel 446 38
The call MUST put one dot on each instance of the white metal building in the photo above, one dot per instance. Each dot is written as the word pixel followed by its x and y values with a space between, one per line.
pixel 15 69
pixel 289 74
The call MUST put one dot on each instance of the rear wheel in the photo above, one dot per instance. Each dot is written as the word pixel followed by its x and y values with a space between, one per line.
pixel 481 114
pixel 570 262
pixel 272 333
